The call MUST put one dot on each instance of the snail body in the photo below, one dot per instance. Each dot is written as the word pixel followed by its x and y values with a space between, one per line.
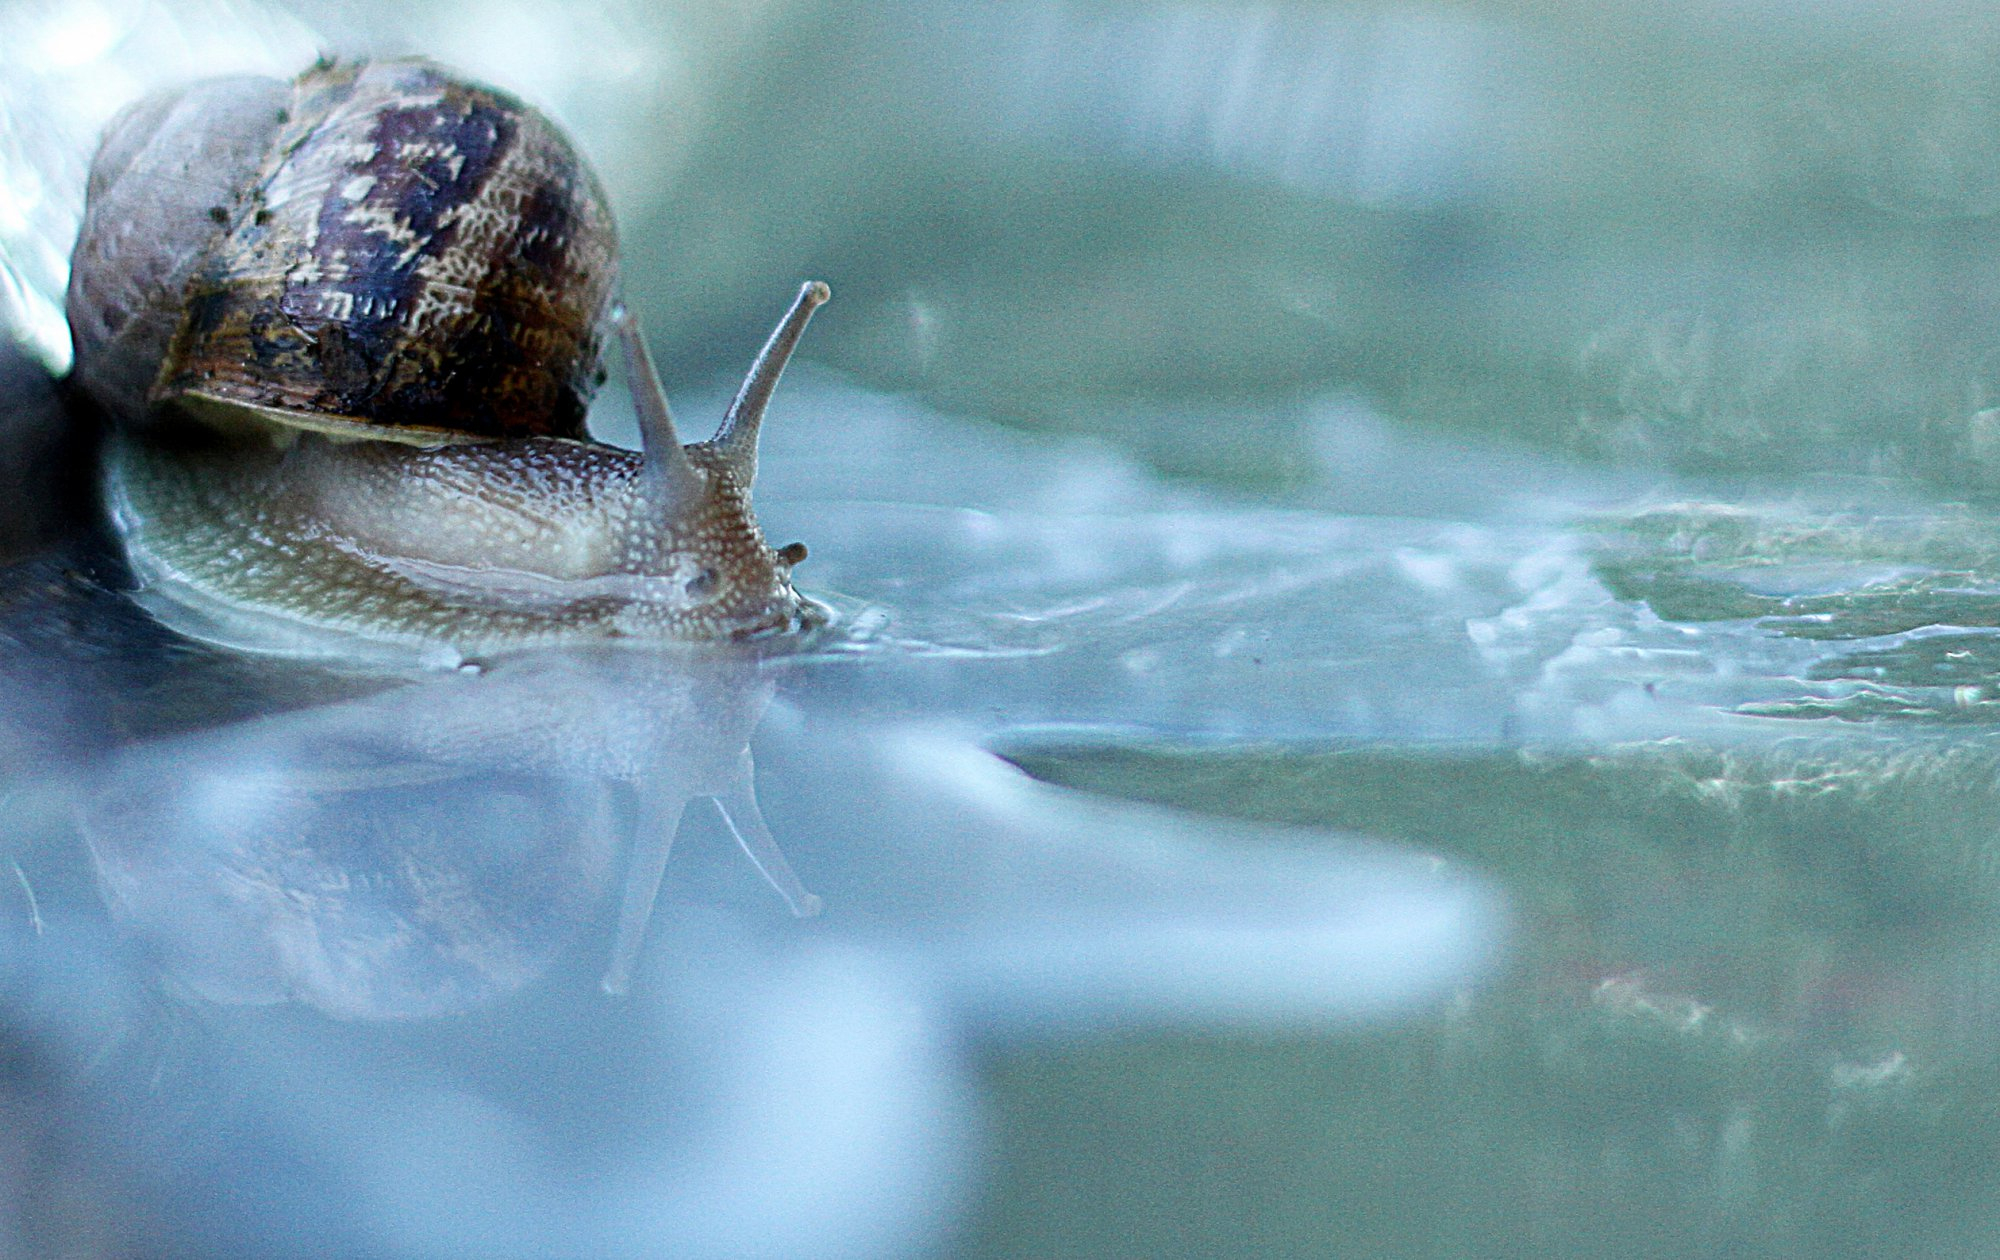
pixel 348 329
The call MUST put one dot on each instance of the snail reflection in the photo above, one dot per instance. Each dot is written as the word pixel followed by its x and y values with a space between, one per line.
pixel 435 846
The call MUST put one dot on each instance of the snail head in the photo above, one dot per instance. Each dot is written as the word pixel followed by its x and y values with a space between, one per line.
pixel 700 530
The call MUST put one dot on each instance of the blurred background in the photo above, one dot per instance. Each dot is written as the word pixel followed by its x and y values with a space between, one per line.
pixel 1743 238
pixel 1708 292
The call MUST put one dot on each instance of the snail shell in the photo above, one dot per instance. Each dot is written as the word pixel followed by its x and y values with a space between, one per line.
pixel 350 326
pixel 378 249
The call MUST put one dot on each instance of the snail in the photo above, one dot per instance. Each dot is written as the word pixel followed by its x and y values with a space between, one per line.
pixel 347 329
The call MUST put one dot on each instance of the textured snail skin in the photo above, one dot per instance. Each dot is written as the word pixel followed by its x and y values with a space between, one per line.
pixel 349 328
pixel 482 548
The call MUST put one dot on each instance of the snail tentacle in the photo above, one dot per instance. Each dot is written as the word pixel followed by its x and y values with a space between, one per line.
pixel 736 440
pixel 670 478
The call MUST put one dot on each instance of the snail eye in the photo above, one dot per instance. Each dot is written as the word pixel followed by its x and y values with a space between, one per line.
pixel 792 553
pixel 702 584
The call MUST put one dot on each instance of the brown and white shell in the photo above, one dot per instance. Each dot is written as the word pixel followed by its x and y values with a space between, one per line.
pixel 405 255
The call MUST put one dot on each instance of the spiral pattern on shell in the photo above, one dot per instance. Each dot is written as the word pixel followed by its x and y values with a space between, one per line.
pixel 418 258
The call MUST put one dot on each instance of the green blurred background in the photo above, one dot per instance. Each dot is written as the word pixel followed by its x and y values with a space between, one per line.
pixel 1732 238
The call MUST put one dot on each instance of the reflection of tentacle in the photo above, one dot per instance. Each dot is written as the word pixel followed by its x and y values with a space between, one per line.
pixel 658 823
pixel 737 804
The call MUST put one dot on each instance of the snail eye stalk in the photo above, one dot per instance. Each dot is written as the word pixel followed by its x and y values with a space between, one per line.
pixel 737 438
pixel 670 479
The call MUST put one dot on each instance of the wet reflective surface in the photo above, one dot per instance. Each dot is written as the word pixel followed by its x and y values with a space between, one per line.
pixel 1415 672
pixel 429 939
